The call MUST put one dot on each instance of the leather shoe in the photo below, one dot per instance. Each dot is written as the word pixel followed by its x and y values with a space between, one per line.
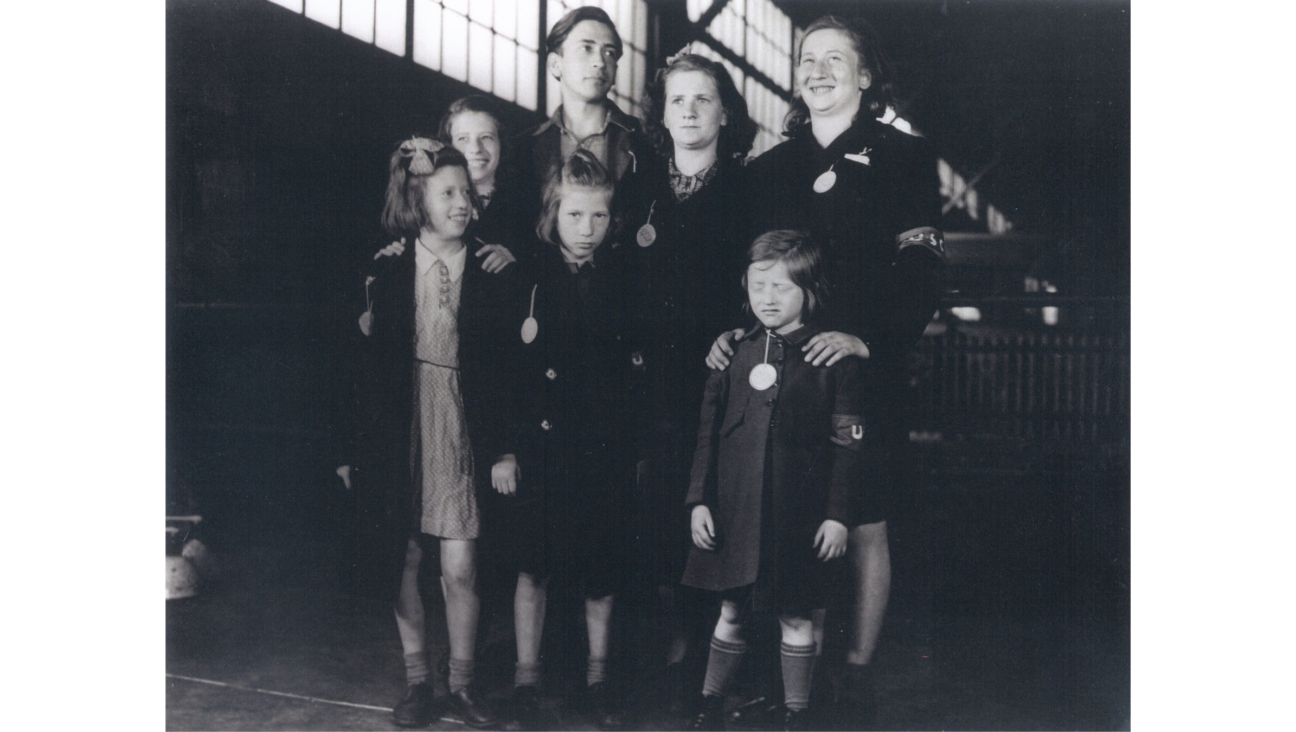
pixel 524 709
pixel 710 716
pixel 475 713
pixel 759 713
pixel 415 708
pixel 607 714
pixel 797 719
pixel 857 702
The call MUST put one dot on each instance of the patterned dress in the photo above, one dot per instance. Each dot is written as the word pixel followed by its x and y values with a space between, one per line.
pixel 441 461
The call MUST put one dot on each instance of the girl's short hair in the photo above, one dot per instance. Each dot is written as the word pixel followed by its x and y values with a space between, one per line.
pixel 804 264
pixel 412 164
pixel 471 103
pixel 868 45
pixel 582 170
pixel 736 136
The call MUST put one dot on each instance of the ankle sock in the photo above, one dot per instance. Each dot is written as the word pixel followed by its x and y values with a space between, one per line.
pixel 526 674
pixel 461 673
pixel 416 668
pixel 798 670
pixel 595 670
pixel 722 664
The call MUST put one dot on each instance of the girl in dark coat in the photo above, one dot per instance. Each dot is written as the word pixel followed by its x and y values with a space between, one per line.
pixel 567 468
pixel 432 322
pixel 778 458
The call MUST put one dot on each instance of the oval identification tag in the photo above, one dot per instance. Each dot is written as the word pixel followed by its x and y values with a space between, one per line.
pixel 762 376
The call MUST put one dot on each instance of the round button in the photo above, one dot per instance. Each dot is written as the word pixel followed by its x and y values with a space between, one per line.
pixel 544 425
pixel 551 374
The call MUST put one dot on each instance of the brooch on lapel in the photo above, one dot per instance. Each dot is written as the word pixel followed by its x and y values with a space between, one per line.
pixel 860 157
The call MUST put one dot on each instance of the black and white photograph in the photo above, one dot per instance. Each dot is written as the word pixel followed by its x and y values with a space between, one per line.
pixel 647 365
pixel 668 365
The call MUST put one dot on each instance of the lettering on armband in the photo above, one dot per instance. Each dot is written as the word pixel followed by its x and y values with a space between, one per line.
pixel 927 237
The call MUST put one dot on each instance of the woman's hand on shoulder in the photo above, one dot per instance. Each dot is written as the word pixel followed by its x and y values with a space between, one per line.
pixel 829 347
pixel 497 257
pixel 830 539
pixel 505 474
pixel 722 349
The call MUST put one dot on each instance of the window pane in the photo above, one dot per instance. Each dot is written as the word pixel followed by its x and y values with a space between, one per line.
pixel 454 45
pixel 481 55
pixel 505 71
pixel 358 19
pixel 528 25
pixel 506 20
pixel 459 6
pixel 482 11
pixel 293 5
pixel 427 34
pixel 327 12
pixel 641 25
pixel 526 74
pixel 389 26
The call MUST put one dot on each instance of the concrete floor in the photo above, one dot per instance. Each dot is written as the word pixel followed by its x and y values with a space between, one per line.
pixel 1009 612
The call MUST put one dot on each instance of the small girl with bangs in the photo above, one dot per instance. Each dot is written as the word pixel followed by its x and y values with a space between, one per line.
pixel 569 471
pixel 431 362
pixel 778 459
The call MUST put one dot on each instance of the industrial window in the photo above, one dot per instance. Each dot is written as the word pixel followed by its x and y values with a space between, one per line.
pixel 762 35
pixel 493 45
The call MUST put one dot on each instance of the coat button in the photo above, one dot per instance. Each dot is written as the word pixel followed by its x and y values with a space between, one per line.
pixel 550 374
pixel 544 425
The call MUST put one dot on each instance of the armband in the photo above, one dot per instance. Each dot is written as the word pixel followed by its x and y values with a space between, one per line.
pixel 848 431
pixel 927 237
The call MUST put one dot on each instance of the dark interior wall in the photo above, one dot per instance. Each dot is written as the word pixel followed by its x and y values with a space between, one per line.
pixel 279 132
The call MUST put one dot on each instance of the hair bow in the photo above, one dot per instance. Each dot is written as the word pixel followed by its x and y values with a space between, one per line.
pixel 416 151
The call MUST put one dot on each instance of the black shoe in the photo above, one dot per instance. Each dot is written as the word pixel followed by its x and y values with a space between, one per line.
pixel 415 708
pixel 524 709
pixel 758 714
pixel 710 716
pixel 475 713
pixel 797 719
pixel 857 700
pixel 607 714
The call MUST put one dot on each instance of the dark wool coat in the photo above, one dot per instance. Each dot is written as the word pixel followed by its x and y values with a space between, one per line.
pixel 772 465
pixel 879 227
pixel 384 388
pixel 566 416
pixel 686 290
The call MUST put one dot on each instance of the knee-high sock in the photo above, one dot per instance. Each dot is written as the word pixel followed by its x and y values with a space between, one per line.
pixel 798 669
pixel 722 664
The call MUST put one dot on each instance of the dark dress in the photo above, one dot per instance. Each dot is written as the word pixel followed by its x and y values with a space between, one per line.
pixel 687 290
pixel 773 465
pixel 383 392
pixel 879 229
pixel 566 423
